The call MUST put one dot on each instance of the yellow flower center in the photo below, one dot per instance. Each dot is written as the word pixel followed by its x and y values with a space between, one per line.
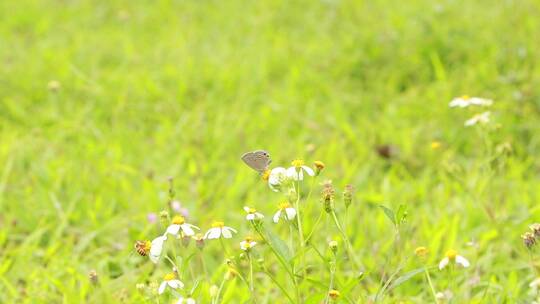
pixel 252 210
pixel 247 244
pixel 465 97
pixel 218 224
pixel 147 246
pixel 451 254
pixel 298 163
pixel 284 205
pixel 435 145
pixel 266 175
pixel 421 251
pixel 169 277
pixel 334 294
pixel 178 220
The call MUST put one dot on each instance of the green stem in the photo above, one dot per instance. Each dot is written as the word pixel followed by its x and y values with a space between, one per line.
pixel 428 277
pixel 251 289
pixel 348 245
pixel 279 286
pixel 332 275
pixel 301 250
pixel 203 264
pixel 315 226
pixel 223 247
pixel 216 299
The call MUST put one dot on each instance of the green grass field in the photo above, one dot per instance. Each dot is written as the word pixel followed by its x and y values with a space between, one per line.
pixel 102 101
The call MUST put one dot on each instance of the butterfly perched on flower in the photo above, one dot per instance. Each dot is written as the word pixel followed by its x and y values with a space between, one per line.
pixel 257 160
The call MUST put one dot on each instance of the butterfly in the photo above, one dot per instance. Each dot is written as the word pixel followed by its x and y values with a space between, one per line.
pixel 258 160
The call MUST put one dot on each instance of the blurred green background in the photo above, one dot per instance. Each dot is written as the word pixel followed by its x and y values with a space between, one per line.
pixel 102 101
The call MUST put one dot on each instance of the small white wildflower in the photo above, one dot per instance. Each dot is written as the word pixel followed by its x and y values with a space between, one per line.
pixel 481 118
pixel 171 281
pixel 290 212
pixel 183 300
pixel 465 101
pixel 247 244
pixel 535 284
pixel 252 214
pixel 218 230
pixel 179 223
pixel 276 177
pixel 452 256
pixel 296 172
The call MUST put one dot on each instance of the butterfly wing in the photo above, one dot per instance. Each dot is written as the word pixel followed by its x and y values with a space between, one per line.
pixel 258 160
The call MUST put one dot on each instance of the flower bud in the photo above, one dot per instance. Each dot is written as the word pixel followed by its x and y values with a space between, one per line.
pixel 421 252
pixel 231 274
pixel 214 291
pixel 140 287
pixel 535 228
pixel 164 216
pixel 185 240
pixel 333 246
pixel 54 85
pixel 328 196
pixel 93 276
pixel 348 195
pixel 334 294
pixel 528 239
pixel 319 166
pixel 199 240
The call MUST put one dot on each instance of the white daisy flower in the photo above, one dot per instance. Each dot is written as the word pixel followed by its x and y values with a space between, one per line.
pixel 218 230
pixel 290 212
pixel 179 223
pixel 535 284
pixel 296 172
pixel 156 247
pixel 465 101
pixel 252 214
pixel 247 244
pixel 452 256
pixel 481 118
pixel 183 300
pixel 275 177
pixel 171 281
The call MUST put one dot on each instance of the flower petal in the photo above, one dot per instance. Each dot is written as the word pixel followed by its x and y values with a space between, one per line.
pixel 294 174
pixel 175 284
pixel 157 246
pixel 443 263
pixel 213 233
pixel 173 229
pixel 462 261
pixel 276 217
pixel 226 233
pixel 247 209
pixel 308 170
pixel 277 175
pixel 162 286
pixel 187 230
pixel 291 213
